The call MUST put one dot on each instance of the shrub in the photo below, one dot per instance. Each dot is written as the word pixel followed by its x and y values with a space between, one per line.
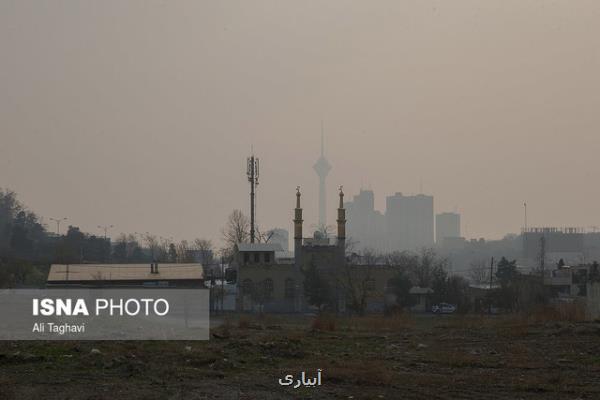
pixel 324 322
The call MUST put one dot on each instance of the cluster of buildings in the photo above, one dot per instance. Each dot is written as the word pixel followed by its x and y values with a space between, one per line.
pixel 407 223
pixel 272 280
pixel 271 277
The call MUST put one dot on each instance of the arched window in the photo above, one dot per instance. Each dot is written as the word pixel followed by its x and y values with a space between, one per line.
pixel 290 288
pixel 247 287
pixel 268 288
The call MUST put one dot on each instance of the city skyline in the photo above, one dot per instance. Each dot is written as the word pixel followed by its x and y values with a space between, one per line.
pixel 109 120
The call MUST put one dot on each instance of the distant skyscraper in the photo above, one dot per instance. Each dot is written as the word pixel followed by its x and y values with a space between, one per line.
pixel 365 224
pixel 447 225
pixel 409 221
pixel 322 168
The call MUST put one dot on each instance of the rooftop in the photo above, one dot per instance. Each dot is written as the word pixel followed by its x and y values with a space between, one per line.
pixel 123 272
pixel 259 247
pixel 420 290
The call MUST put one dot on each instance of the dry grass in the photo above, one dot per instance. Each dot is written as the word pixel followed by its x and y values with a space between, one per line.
pixel 367 372
pixel 473 358
pixel 464 322
pixel 244 322
pixel 324 322
pixel 378 323
pixel 371 323
pixel 520 324
pixel 566 312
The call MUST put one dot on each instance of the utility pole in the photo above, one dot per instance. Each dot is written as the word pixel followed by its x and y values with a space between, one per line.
pixel 58 221
pixel 491 281
pixel 252 172
pixel 212 291
pixel 542 255
pixel 525 231
pixel 222 285
pixel 105 228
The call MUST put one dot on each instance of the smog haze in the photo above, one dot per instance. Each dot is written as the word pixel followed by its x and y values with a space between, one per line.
pixel 141 113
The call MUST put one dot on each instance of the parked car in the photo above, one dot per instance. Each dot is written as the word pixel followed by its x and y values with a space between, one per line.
pixel 443 308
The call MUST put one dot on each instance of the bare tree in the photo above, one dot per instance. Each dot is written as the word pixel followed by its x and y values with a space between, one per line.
pixel 153 245
pixel 479 272
pixel 237 230
pixel 163 249
pixel 264 237
pixel 205 247
pixel 182 250
pixel 428 269
pixel 325 230
pixel 402 259
pixel 370 257
pixel 131 245
pixel 357 284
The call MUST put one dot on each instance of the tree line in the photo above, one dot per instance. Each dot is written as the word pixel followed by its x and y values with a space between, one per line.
pixel 27 248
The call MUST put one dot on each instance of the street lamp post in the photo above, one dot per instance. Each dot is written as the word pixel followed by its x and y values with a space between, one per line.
pixel 105 228
pixel 58 221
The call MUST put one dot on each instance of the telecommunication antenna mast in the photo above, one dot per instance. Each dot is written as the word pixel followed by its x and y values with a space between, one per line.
pixel 252 172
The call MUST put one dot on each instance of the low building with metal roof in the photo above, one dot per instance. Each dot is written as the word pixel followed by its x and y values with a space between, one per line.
pixel 126 275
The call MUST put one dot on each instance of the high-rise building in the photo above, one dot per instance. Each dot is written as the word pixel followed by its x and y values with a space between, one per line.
pixel 447 225
pixel 365 224
pixel 409 222
pixel 551 244
pixel 322 168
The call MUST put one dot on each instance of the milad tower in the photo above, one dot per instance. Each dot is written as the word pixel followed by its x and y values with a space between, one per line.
pixel 322 168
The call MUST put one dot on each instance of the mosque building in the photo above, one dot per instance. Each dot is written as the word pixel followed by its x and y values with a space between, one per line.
pixel 272 280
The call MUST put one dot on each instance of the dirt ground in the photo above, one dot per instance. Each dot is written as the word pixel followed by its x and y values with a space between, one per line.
pixel 403 357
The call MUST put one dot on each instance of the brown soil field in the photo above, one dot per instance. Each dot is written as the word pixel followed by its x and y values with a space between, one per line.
pixel 401 357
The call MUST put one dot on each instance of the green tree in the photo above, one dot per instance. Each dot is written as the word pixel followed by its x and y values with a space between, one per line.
pixel 400 286
pixel 507 271
pixel 508 276
pixel 456 292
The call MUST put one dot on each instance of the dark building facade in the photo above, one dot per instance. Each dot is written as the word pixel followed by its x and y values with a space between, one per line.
pixel 270 280
pixel 409 221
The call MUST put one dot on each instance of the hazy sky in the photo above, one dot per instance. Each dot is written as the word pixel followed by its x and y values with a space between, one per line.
pixel 141 113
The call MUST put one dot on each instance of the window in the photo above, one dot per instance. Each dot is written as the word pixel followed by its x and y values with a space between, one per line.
pixel 370 284
pixel 268 288
pixel 247 287
pixel 256 257
pixel 290 288
pixel 267 257
pixel 246 258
